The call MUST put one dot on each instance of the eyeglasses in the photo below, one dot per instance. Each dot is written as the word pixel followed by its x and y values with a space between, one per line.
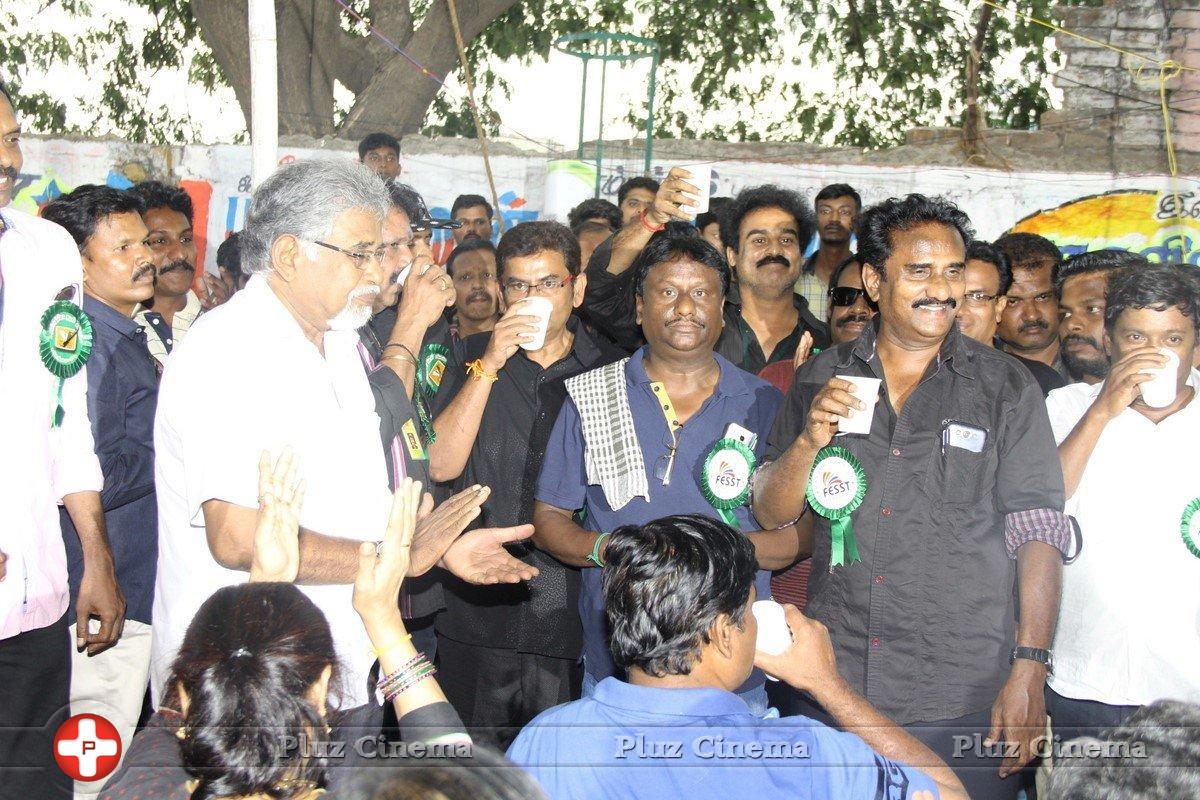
pixel 979 297
pixel 845 295
pixel 544 286
pixel 360 257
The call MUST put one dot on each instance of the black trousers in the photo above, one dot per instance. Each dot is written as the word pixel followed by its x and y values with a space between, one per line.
pixel 1071 718
pixel 958 742
pixel 35 690
pixel 497 692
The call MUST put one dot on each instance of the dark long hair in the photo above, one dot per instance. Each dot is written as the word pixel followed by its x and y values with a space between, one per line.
pixel 247 663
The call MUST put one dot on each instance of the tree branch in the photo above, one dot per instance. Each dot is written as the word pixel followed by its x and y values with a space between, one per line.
pixel 399 94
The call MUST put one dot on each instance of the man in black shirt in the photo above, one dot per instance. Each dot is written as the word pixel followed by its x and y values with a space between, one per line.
pixel 956 507
pixel 988 277
pixel 508 653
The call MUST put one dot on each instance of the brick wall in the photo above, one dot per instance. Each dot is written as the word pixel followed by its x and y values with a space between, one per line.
pixel 1103 93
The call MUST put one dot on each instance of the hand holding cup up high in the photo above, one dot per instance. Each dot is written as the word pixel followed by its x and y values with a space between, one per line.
pixel 676 199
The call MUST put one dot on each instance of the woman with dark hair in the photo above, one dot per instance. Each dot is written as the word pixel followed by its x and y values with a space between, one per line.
pixel 249 710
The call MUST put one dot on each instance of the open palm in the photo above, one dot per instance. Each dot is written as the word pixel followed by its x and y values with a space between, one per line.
pixel 276 555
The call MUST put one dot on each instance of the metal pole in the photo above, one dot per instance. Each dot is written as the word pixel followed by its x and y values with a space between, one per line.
pixel 582 107
pixel 650 111
pixel 600 134
pixel 264 90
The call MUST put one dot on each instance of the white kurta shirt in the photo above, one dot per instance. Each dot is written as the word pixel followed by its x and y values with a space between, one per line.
pixel 38 464
pixel 1129 620
pixel 247 380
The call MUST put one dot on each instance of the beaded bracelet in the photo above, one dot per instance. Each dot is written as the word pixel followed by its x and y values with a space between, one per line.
pixel 395 684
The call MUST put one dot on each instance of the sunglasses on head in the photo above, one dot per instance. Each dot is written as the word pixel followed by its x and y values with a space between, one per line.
pixel 845 295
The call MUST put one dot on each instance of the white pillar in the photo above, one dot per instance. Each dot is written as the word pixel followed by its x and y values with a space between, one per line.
pixel 264 91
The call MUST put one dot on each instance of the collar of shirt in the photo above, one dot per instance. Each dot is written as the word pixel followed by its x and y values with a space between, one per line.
pixel 104 314
pixel 952 352
pixel 670 702
pixel 732 382
pixel 733 302
pixel 810 263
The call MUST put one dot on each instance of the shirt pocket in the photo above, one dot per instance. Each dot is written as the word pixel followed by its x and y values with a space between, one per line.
pixel 957 476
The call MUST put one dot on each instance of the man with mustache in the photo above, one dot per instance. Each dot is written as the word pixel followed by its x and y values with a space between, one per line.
pixel 1029 322
pixel 47 460
pixel 286 350
pixel 838 206
pixel 850 310
pixel 118 275
pixel 472 267
pixel 957 508
pixel 474 215
pixel 674 400
pixel 169 315
pixel 988 278
pixel 1082 283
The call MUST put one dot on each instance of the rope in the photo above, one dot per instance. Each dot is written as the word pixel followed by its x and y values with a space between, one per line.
pixel 483 146
pixel 1166 70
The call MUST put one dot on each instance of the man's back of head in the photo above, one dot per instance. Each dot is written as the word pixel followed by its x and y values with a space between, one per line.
pixel 677 593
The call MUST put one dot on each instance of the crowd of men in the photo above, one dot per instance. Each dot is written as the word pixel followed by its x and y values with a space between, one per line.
pixel 630 428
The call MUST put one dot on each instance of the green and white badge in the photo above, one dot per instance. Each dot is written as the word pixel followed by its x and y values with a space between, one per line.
pixel 836 487
pixel 1189 527
pixel 65 343
pixel 725 477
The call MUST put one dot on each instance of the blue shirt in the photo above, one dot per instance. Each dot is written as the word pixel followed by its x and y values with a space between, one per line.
pixel 739 397
pixel 122 394
pixel 631 741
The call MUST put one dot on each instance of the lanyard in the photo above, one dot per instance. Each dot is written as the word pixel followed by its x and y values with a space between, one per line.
pixel 668 412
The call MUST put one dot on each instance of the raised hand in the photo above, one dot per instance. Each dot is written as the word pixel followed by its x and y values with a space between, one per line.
pixel 276 554
pixel 380 574
pixel 674 198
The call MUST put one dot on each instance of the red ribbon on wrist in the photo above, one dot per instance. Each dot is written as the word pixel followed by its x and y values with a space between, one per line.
pixel 646 225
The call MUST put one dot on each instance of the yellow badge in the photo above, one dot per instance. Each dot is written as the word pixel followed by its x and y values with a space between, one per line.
pixel 413 442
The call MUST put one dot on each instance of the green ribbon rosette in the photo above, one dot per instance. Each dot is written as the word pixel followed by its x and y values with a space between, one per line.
pixel 1189 527
pixel 836 487
pixel 65 343
pixel 725 477
pixel 431 366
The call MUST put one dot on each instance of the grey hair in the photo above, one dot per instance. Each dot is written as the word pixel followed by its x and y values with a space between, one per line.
pixel 302 200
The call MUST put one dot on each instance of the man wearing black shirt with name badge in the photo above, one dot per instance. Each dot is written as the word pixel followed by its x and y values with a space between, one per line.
pixel 960 500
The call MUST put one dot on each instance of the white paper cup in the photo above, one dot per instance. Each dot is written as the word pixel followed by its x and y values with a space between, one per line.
pixel 774 635
pixel 1160 391
pixel 702 180
pixel 539 307
pixel 866 390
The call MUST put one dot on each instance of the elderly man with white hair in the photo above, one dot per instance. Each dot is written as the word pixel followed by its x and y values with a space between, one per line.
pixel 284 352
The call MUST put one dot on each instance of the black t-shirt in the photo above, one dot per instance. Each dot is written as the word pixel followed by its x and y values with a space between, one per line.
pixel 539 616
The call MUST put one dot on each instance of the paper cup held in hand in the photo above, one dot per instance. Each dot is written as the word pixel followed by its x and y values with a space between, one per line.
pixel 1160 391
pixel 774 635
pixel 541 308
pixel 702 180
pixel 866 390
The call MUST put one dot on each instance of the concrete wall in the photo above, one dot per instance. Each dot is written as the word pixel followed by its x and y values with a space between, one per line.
pixel 1079 209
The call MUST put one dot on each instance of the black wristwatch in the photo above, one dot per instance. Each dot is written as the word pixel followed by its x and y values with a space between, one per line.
pixel 1033 654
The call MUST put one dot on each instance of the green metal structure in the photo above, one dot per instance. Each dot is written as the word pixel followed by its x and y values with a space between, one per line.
pixel 605 47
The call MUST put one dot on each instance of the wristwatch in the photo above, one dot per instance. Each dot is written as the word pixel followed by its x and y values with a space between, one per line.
pixel 1033 654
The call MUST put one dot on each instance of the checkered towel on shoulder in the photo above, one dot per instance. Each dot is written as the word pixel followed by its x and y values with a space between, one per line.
pixel 612 456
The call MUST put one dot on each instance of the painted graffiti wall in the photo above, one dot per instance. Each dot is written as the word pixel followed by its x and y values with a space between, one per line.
pixel 1154 215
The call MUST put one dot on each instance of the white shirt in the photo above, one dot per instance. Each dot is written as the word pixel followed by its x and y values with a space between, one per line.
pixel 247 380
pixel 38 464
pixel 1129 620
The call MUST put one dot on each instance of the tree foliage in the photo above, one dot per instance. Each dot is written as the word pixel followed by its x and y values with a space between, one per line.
pixel 731 69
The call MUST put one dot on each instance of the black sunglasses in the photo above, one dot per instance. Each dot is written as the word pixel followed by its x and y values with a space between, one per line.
pixel 845 295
